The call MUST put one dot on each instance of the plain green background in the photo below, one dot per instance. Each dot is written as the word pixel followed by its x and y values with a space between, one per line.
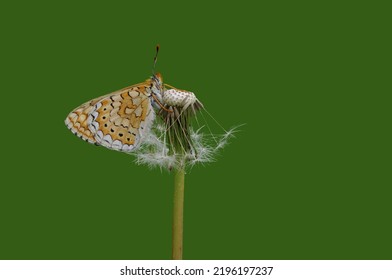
pixel 308 177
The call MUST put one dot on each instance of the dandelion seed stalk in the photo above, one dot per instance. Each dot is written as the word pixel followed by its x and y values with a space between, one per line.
pixel 178 214
pixel 177 124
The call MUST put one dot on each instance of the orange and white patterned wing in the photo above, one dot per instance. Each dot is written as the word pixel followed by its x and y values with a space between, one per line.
pixel 76 121
pixel 118 121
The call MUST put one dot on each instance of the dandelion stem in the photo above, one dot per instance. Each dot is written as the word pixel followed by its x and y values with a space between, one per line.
pixel 178 214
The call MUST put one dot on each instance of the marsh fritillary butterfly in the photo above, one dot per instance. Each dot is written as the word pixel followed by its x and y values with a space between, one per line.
pixel 122 119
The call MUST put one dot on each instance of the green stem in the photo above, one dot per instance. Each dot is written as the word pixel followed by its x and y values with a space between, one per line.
pixel 178 214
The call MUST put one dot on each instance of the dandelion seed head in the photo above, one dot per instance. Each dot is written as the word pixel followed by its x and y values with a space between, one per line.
pixel 174 143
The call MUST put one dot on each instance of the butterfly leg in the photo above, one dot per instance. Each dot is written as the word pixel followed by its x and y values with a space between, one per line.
pixel 161 105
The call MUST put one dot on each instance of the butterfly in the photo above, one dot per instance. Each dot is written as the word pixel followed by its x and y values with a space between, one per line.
pixel 122 119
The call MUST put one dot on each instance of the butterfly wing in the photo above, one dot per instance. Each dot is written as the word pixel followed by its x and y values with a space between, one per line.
pixel 118 121
pixel 77 121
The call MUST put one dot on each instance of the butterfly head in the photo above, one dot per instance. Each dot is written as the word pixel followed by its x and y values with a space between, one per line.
pixel 157 77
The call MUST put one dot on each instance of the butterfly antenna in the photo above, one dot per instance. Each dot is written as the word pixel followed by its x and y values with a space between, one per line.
pixel 155 59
